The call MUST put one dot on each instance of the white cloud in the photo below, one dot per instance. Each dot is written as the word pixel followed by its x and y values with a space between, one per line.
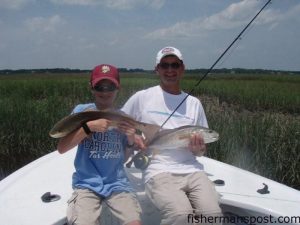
pixel 14 4
pixel 131 4
pixel 276 17
pixel 42 24
pixel 293 13
pixel 121 4
pixel 235 15
pixel 76 2
pixel 156 4
pixel 114 4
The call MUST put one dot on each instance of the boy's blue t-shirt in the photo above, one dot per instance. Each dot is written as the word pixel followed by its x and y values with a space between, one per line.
pixel 99 161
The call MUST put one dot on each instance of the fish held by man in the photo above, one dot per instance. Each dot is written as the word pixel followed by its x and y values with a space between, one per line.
pixel 180 137
pixel 169 139
pixel 74 121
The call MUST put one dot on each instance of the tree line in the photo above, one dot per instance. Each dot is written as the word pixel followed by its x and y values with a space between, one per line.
pixel 138 70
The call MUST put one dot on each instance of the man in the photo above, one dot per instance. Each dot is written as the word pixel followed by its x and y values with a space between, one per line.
pixel 174 181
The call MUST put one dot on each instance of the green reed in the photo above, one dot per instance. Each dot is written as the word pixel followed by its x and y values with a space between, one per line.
pixel 255 94
pixel 266 143
pixel 258 118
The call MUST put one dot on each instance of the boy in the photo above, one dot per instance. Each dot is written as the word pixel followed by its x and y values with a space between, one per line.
pixel 100 174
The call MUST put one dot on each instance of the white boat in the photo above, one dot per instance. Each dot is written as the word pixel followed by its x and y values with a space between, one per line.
pixel 21 192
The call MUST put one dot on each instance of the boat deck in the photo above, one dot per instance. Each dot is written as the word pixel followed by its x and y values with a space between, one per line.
pixel 20 193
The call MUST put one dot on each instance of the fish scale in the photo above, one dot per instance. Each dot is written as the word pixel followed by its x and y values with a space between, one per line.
pixel 74 121
pixel 155 139
pixel 180 137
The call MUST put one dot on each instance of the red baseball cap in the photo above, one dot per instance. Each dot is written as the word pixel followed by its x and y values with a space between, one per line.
pixel 105 71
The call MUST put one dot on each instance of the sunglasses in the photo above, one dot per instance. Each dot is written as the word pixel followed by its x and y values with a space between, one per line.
pixel 165 66
pixel 105 87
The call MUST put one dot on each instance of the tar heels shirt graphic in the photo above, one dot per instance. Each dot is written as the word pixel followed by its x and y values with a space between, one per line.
pixel 99 161
pixel 106 145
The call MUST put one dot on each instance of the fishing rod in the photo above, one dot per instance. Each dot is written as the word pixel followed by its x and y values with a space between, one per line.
pixel 211 68
pixel 140 160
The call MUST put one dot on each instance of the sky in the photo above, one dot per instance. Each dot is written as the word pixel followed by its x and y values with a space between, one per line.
pixel 80 34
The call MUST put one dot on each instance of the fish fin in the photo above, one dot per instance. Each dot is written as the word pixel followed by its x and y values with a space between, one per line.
pixel 149 130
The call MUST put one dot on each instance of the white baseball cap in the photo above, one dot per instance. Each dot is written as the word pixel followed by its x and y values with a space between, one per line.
pixel 168 51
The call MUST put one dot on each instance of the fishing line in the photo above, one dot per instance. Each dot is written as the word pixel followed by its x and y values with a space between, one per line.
pixel 211 68
pixel 235 46
pixel 228 55
pixel 232 49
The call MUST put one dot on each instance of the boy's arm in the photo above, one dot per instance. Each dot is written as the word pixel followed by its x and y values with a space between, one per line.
pixel 68 142
pixel 74 138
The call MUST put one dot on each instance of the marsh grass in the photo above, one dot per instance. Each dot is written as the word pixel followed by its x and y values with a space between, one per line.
pixel 266 143
pixel 258 118
pixel 274 93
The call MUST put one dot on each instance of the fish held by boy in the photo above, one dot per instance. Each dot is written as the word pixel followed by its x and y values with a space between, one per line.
pixel 74 121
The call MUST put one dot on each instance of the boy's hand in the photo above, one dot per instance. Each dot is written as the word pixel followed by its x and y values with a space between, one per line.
pixel 99 125
pixel 126 128
pixel 129 129
pixel 139 142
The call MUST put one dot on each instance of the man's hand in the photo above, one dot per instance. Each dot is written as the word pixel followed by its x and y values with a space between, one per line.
pixel 197 145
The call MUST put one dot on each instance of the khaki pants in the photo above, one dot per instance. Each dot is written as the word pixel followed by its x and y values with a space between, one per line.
pixel 179 196
pixel 84 207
